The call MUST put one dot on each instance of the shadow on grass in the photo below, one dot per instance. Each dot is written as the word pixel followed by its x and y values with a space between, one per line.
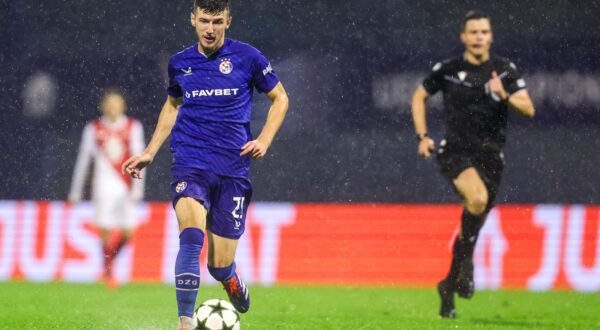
pixel 506 323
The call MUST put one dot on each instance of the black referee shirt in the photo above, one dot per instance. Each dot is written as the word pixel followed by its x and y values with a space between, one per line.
pixel 475 118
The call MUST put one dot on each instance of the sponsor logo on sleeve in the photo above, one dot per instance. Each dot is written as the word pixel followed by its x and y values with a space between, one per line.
pixel 267 70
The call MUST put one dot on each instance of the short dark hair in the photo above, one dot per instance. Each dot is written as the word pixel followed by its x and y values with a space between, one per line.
pixel 474 14
pixel 110 91
pixel 212 7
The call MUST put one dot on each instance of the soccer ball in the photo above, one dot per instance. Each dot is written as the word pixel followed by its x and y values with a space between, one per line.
pixel 216 314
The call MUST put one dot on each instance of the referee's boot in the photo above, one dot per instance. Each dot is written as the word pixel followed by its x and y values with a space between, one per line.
pixel 446 292
pixel 465 285
pixel 238 293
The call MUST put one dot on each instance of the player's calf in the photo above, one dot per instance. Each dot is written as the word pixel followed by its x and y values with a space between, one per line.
pixel 234 286
pixel 187 270
pixel 446 292
pixel 465 284
pixel 470 227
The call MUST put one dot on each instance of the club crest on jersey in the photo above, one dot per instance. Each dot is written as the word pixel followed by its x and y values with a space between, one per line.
pixel 462 75
pixel 225 67
pixel 181 185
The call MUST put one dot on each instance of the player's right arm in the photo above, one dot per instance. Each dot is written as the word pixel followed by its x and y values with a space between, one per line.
pixel 426 144
pixel 134 165
pixel 84 158
pixel 431 84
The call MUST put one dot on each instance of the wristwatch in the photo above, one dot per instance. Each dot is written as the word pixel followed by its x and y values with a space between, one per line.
pixel 421 136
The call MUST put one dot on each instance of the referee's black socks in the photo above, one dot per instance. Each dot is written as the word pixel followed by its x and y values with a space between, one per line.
pixel 464 245
pixel 470 225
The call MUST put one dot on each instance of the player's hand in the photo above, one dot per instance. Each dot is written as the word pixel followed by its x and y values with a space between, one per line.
pixel 134 165
pixel 426 147
pixel 255 149
pixel 496 86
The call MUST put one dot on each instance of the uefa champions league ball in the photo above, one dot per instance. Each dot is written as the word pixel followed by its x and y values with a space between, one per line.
pixel 216 314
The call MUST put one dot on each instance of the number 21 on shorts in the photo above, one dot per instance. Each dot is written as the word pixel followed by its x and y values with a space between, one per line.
pixel 238 211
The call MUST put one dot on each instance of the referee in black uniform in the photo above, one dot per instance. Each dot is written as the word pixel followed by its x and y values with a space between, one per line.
pixel 478 90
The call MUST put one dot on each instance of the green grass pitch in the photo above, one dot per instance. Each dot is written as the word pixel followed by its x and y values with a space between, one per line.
pixel 152 306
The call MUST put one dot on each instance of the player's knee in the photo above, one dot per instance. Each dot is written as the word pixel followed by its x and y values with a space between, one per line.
pixel 477 203
pixel 190 214
pixel 127 233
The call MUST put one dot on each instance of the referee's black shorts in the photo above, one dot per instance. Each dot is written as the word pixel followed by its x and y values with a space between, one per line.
pixel 489 165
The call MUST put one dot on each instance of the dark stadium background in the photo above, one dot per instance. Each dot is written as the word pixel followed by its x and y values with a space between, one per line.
pixel 349 67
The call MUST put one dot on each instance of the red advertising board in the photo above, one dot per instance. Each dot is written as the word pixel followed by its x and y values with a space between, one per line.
pixel 535 247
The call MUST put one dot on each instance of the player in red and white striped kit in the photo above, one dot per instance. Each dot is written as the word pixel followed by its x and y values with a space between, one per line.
pixel 109 141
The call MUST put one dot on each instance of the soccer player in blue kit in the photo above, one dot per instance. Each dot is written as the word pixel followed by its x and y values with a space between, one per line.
pixel 207 114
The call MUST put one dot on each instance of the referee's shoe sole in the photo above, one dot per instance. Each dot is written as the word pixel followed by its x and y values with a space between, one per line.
pixel 446 293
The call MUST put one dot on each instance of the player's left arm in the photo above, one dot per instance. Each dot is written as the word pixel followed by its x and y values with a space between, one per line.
pixel 137 147
pixel 514 95
pixel 279 106
pixel 521 103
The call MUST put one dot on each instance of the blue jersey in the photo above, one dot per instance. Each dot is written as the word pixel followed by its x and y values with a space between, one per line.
pixel 213 122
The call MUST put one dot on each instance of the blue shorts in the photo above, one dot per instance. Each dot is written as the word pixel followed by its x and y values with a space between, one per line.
pixel 225 198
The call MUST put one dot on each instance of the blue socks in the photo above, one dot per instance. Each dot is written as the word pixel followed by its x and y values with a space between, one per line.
pixel 222 274
pixel 187 270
